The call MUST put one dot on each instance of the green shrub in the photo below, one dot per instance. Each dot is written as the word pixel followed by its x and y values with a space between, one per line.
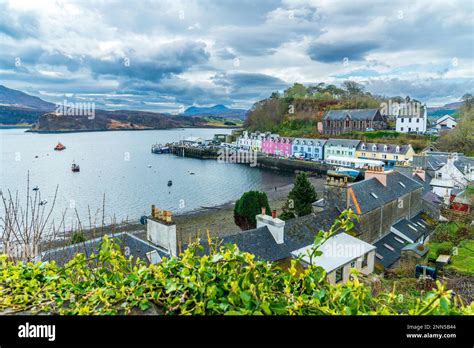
pixel 227 281
pixel 248 207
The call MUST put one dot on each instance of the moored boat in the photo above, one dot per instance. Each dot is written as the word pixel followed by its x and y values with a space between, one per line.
pixel 75 167
pixel 59 147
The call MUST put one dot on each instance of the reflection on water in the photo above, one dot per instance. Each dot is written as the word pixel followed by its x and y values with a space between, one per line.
pixel 121 166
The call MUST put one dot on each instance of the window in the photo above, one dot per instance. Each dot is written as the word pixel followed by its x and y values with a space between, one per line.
pixel 384 156
pixel 339 274
pixel 403 120
pixel 365 260
pixel 397 149
pixel 353 264
pixel 417 120
pixel 363 154
pixel 402 129
pixel 395 157
pixel 409 120
pixel 439 175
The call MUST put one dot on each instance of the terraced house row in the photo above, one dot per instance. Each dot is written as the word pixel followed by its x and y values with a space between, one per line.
pixel 321 149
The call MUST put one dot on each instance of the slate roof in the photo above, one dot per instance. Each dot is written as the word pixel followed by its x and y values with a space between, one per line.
pixel 387 256
pixel 435 162
pixel 343 142
pixel 354 114
pixel 398 185
pixel 414 228
pixel 299 232
pixel 391 148
pixel 258 241
pixel 136 246
pixel 432 198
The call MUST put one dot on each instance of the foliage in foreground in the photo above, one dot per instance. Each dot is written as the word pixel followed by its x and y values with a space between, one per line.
pixel 227 281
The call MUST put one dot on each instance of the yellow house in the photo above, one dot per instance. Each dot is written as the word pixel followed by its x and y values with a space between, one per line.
pixel 402 153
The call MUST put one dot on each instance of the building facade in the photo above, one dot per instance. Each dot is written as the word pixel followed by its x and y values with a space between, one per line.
pixel 446 122
pixel 342 121
pixel 341 148
pixel 309 148
pixel 397 154
pixel 412 120
pixel 277 146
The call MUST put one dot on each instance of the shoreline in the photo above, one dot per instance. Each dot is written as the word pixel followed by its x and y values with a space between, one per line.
pixel 218 220
pixel 30 130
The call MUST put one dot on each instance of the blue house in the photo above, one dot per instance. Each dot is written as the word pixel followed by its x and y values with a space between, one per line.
pixel 309 148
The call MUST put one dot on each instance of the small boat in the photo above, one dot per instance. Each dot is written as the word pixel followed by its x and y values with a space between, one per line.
pixel 170 183
pixel 75 167
pixel 149 165
pixel 59 147
pixel 36 188
pixel 190 173
pixel 350 174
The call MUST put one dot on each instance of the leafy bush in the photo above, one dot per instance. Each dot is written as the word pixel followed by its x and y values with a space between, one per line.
pixel 77 237
pixel 227 281
pixel 248 206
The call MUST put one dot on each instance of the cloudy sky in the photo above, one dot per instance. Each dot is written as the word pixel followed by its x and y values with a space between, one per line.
pixel 168 55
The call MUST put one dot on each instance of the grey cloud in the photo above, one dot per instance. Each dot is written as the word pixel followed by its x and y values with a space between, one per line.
pixel 336 52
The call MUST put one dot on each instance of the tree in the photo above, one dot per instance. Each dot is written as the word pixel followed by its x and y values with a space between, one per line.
pixel 353 88
pixel 248 206
pixel 302 195
pixel 295 91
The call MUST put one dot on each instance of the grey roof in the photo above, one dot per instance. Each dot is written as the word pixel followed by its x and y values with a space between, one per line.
pixel 435 162
pixel 432 198
pixel 343 142
pixel 389 256
pixel 354 114
pixel 414 228
pixel 309 141
pixel 299 232
pixel 391 148
pixel 136 246
pixel 398 185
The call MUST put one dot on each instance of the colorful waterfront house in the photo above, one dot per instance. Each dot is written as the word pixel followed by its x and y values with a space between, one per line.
pixel 391 154
pixel 283 147
pixel 309 148
pixel 268 143
pixel 244 141
pixel 256 141
pixel 341 147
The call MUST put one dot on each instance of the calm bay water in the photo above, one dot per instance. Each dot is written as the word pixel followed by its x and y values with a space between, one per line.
pixel 116 164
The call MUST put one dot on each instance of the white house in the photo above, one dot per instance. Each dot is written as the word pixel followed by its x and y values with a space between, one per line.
pixel 453 174
pixel 412 119
pixel 446 122
pixel 341 252
pixel 244 142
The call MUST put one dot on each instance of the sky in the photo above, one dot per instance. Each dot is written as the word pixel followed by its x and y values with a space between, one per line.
pixel 168 55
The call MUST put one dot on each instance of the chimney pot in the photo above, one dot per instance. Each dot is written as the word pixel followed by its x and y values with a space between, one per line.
pixel 264 211
pixel 274 213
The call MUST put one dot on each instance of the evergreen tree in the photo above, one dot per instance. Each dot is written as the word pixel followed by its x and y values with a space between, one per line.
pixel 302 195
pixel 248 206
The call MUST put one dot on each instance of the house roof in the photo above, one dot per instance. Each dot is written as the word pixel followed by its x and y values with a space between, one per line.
pixel 432 198
pixel 412 112
pixel 129 244
pixel 298 232
pixel 333 255
pixel 309 141
pixel 372 194
pixel 389 249
pixel 343 142
pixel 354 114
pixel 445 117
pixel 391 148
pixel 435 162
pixel 414 228
pixel 462 198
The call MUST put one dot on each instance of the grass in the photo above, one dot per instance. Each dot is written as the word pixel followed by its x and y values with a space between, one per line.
pixel 463 260
pixel 439 248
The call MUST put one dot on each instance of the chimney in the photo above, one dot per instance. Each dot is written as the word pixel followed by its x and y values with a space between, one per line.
pixel 377 173
pixel 161 230
pixel 274 225
pixel 420 173
pixel 264 211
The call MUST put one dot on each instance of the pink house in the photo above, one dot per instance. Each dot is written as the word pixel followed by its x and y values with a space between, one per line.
pixel 277 146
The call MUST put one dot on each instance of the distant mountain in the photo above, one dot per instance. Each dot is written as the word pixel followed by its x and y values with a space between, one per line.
pixel 17 99
pixel 216 110
pixel 447 109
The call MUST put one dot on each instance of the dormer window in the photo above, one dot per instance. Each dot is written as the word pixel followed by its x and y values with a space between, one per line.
pixel 397 149
pixel 374 147
pixel 385 148
pixel 363 147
